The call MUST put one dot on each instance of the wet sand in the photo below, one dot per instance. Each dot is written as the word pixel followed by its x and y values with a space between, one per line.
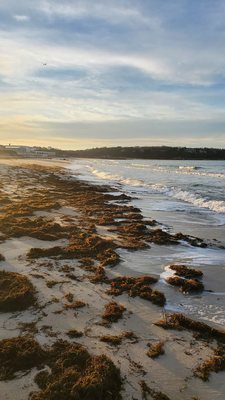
pixel 93 246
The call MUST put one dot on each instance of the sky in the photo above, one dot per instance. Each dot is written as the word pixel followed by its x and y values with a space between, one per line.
pixel 91 73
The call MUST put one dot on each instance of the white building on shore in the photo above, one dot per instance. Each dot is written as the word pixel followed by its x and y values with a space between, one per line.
pixel 30 152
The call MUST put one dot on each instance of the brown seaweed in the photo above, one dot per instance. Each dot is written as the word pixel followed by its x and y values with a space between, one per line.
pixel 73 333
pixel 186 285
pixel 2 258
pixel 74 373
pixel 113 312
pixel 115 340
pixel 186 272
pixel 155 349
pixel 137 287
pixel 215 363
pixel 16 292
pixel 77 375
pixel 155 394
pixel 19 354
pixel 179 321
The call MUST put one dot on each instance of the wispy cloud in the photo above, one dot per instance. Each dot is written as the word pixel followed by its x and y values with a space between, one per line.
pixel 26 56
pixel 114 12
pixel 21 18
pixel 30 55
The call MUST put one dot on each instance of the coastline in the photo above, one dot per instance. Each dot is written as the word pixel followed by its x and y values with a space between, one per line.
pixel 92 213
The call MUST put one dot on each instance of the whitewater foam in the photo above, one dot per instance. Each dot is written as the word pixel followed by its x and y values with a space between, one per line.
pixel 218 206
pixel 215 205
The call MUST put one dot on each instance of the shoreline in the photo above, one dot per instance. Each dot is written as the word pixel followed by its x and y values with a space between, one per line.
pixel 84 270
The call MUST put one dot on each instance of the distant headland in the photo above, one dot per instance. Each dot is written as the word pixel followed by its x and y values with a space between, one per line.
pixel 136 152
pixel 153 152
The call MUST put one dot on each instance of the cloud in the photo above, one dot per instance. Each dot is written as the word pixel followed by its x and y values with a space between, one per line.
pixel 26 56
pixel 115 12
pixel 114 133
pixel 100 62
pixel 173 53
pixel 29 56
pixel 21 18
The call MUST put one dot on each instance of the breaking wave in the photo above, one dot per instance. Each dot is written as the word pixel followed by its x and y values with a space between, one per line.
pixel 214 205
pixel 217 206
pixel 179 169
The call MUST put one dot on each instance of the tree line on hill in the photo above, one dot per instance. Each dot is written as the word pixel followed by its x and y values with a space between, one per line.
pixel 138 152
pixel 153 152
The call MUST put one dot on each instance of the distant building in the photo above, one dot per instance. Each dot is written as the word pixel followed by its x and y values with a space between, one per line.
pixel 30 152
pixel 43 153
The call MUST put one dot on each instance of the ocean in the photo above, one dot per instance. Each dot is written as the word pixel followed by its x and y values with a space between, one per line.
pixel 183 196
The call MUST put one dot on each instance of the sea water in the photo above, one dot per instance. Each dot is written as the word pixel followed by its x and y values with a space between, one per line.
pixel 183 196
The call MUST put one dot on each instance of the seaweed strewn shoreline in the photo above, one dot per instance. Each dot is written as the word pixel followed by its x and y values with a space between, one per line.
pixel 68 280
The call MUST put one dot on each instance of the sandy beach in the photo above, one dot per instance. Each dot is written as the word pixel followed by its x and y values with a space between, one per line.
pixel 66 237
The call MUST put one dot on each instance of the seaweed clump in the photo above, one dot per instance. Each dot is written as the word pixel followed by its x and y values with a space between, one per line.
pixel 215 363
pixel 175 281
pixel 99 275
pixel 155 349
pixel 113 312
pixel 36 252
pixel 115 340
pixel 155 394
pixel 19 354
pixel 192 285
pixel 160 237
pixel 69 297
pixel 16 292
pixel 193 241
pixel 186 278
pixel 74 373
pixel 2 258
pixel 50 284
pixel 73 333
pixel 82 245
pixel 186 285
pixel 179 321
pixel 186 272
pixel 77 375
pixel 18 225
pixel 75 305
pixel 137 287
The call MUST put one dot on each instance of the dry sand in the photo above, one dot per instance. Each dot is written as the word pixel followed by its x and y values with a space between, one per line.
pixel 170 373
